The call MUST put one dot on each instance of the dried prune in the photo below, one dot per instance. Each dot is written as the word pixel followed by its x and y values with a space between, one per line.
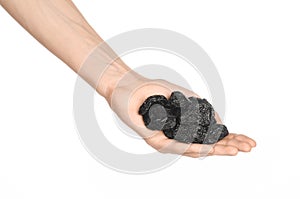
pixel 188 120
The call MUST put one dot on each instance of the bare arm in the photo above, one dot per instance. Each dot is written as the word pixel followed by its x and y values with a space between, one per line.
pixel 61 28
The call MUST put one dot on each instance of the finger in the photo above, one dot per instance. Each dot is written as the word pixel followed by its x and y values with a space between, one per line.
pixel 220 149
pixel 242 146
pixel 245 138
pixel 217 149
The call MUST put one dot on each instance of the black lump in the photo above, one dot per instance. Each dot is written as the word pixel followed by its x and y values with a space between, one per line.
pixel 188 120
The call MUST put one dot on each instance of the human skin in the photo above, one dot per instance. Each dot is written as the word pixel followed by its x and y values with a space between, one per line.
pixel 61 28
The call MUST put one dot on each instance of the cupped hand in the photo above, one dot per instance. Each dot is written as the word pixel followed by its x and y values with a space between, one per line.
pixel 133 89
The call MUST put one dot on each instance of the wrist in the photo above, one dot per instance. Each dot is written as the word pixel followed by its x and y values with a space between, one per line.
pixel 102 69
pixel 110 78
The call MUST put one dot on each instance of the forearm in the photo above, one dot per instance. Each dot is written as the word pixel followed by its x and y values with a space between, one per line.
pixel 60 27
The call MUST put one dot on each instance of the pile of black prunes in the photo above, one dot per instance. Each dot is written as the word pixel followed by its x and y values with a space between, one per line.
pixel 188 120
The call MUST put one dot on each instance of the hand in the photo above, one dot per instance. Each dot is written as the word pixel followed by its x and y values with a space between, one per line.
pixel 132 90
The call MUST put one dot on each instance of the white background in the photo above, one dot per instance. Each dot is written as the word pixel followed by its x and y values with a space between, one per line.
pixel 255 46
